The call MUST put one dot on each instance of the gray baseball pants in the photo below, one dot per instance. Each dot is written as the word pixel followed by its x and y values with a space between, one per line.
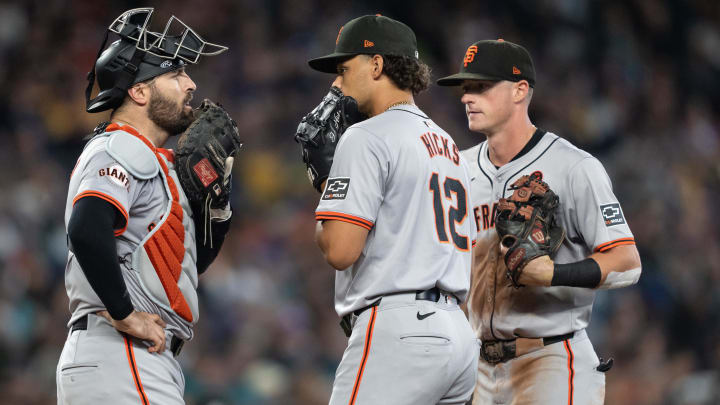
pixel 408 351
pixel 559 374
pixel 102 366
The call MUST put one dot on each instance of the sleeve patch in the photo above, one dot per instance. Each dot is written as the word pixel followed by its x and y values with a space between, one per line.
pixel 116 175
pixel 336 188
pixel 612 214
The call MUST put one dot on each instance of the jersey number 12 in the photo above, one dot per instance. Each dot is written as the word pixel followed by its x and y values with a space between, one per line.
pixel 455 215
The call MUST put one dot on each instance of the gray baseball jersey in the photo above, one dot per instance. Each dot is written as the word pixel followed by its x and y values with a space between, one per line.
pixel 402 177
pixel 590 214
pixel 144 203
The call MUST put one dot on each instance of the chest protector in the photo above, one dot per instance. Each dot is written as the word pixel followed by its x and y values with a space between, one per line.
pixel 164 258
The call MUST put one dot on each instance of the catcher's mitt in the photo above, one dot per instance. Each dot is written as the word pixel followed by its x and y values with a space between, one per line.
pixel 320 130
pixel 526 224
pixel 204 156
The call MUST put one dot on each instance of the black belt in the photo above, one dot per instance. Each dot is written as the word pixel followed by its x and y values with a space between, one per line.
pixel 557 339
pixel 432 294
pixel 176 344
pixel 498 351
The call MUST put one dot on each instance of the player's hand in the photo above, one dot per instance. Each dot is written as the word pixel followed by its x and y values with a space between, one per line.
pixel 144 326
pixel 538 272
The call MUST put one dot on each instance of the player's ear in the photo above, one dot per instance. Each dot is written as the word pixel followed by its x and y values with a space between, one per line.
pixel 521 91
pixel 376 67
pixel 139 93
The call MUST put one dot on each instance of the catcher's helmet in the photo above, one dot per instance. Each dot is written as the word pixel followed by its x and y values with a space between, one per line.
pixel 141 54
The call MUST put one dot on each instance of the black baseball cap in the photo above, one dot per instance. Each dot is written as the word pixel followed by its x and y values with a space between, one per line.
pixel 368 35
pixel 493 60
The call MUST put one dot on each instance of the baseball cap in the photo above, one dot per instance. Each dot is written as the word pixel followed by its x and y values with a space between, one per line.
pixel 368 35
pixel 493 60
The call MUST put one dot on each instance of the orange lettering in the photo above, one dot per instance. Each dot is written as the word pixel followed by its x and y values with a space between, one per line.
pixel 486 216
pixel 493 214
pixel 446 150
pixel 425 140
pixel 435 142
pixel 476 211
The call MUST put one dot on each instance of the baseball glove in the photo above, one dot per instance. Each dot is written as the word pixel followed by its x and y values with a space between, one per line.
pixel 526 224
pixel 320 131
pixel 204 158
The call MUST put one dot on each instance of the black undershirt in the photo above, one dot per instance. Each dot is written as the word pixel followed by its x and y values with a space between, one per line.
pixel 534 140
pixel 205 253
pixel 91 235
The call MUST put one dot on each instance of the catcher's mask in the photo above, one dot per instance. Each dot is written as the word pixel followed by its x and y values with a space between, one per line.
pixel 141 54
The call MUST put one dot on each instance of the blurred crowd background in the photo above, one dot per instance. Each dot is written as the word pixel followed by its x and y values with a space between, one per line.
pixel 635 82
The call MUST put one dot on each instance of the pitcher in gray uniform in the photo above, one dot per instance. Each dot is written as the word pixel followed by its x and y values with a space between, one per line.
pixel 133 264
pixel 394 221
pixel 534 346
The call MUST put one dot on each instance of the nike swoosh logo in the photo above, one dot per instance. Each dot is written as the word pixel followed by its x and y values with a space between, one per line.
pixel 423 316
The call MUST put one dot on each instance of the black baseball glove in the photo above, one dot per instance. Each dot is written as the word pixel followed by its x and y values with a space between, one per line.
pixel 204 158
pixel 526 224
pixel 320 131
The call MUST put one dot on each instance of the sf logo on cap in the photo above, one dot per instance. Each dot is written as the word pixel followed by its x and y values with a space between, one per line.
pixel 470 55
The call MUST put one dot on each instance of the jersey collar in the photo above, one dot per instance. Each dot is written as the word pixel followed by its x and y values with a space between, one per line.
pixel 411 108
pixel 532 150
pixel 534 140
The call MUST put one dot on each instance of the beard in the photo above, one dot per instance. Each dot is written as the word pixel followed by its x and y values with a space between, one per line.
pixel 168 115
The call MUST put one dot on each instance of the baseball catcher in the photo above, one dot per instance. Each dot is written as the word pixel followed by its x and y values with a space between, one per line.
pixel 526 224
pixel 320 130
pixel 134 249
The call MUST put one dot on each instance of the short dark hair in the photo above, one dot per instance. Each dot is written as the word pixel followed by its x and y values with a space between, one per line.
pixel 407 73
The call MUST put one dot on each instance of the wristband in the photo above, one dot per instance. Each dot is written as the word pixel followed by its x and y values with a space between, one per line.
pixel 585 273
